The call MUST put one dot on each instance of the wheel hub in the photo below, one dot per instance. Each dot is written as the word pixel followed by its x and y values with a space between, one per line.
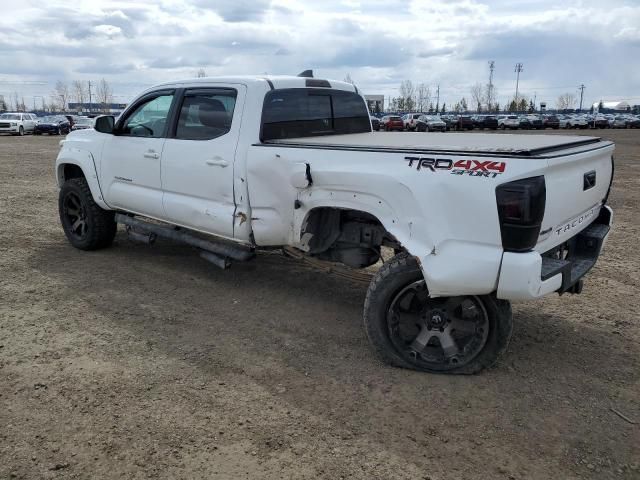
pixel 436 319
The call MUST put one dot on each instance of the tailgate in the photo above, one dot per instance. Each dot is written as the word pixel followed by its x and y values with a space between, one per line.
pixel 577 185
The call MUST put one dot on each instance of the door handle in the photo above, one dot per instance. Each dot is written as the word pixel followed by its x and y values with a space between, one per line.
pixel 217 162
pixel 151 154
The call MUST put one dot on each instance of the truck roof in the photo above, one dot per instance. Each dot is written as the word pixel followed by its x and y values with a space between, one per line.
pixel 273 81
pixel 465 143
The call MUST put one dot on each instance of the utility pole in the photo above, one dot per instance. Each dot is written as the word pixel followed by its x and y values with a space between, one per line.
pixel 518 69
pixel 581 87
pixel 438 98
pixel 492 65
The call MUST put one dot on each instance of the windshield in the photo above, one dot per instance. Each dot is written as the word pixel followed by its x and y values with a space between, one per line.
pixel 9 116
pixel 48 119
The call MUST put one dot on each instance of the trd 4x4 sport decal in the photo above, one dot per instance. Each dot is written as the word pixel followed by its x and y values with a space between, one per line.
pixel 473 168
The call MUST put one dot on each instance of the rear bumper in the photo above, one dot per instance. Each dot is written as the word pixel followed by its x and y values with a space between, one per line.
pixel 525 276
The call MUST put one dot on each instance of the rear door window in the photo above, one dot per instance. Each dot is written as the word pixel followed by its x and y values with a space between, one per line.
pixel 307 112
pixel 206 114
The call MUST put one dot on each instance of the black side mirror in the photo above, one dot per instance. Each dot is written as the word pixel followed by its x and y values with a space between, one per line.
pixel 105 123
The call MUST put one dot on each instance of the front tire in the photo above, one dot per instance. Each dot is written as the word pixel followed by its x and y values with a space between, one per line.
pixel 86 225
pixel 457 335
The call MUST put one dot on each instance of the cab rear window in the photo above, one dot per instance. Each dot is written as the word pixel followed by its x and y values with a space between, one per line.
pixel 309 112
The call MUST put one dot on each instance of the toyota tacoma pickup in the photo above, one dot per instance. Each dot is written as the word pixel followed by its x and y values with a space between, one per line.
pixel 462 224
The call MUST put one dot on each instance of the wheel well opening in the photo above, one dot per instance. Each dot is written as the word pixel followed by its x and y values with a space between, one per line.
pixel 352 237
pixel 70 171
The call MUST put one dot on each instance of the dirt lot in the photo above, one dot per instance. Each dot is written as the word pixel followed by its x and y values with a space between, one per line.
pixel 147 362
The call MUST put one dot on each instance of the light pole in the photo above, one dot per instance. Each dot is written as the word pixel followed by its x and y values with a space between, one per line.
pixel 518 69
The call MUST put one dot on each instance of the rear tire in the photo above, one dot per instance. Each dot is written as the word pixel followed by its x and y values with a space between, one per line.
pixel 86 225
pixel 475 330
pixel 21 131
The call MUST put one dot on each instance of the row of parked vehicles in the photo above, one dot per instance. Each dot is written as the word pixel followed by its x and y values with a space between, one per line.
pixel 20 123
pixel 441 123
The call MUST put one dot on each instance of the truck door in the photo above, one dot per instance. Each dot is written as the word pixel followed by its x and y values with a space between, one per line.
pixel 198 159
pixel 130 167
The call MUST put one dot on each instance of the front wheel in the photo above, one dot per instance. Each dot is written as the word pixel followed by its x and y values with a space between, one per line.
pixel 408 329
pixel 86 225
pixel 21 131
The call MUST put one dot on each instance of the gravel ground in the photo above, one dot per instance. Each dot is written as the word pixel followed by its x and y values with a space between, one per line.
pixel 147 362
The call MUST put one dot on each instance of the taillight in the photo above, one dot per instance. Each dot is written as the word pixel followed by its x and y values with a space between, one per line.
pixel 521 209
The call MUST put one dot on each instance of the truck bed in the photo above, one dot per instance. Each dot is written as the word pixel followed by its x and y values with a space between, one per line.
pixel 540 146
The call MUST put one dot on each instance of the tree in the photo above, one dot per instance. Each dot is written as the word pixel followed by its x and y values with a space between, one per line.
pixel 600 106
pixel 532 107
pixel 477 95
pixel 463 105
pixel 522 105
pixel 79 89
pixel 348 79
pixel 423 97
pixel 61 93
pixel 201 73
pixel 513 106
pixel 406 93
pixel 431 107
pixel 104 94
pixel 490 97
pixel 3 104
pixel 566 101
pixel 443 109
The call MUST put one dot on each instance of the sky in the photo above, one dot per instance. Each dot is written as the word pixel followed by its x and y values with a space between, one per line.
pixel 134 45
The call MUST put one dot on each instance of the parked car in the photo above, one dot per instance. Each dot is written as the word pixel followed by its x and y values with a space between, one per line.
pixel 82 123
pixel 599 121
pixel 463 122
pixel 551 121
pixel 474 221
pixel 535 121
pixel 53 125
pixel 392 122
pixel 17 123
pixel 576 121
pixel 449 121
pixel 485 121
pixel 508 121
pixel 430 123
pixel 619 122
pixel 410 120
pixel 633 122
pixel 375 123
pixel 524 123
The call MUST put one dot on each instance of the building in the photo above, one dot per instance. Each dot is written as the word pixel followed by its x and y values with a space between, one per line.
pixel 97 107
pixel 375 103
pixel 612 107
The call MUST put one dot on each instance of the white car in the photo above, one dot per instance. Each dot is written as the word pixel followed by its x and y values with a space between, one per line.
pixel 236 163
pixel 509 121
pixel 82 123
pixel 17 123
pixel 619 121
pixel 576 121
pixel 410 120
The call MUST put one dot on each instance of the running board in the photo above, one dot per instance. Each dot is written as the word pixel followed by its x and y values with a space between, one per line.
pixel 218 253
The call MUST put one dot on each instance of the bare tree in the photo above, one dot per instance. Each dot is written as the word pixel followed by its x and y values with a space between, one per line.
pixel 477 95
pixel 201 73
pixel 566 101
pixel 407 92
pixel 61 92
pixel 3 104
pixel 348 79
pixel 423 97
pixel 463 105
pixel 104 94
pixel 80 92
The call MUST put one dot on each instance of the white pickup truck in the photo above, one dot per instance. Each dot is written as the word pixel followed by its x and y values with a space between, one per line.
pixel 232 165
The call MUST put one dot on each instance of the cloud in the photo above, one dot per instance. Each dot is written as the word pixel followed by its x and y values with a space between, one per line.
pixel 440 42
